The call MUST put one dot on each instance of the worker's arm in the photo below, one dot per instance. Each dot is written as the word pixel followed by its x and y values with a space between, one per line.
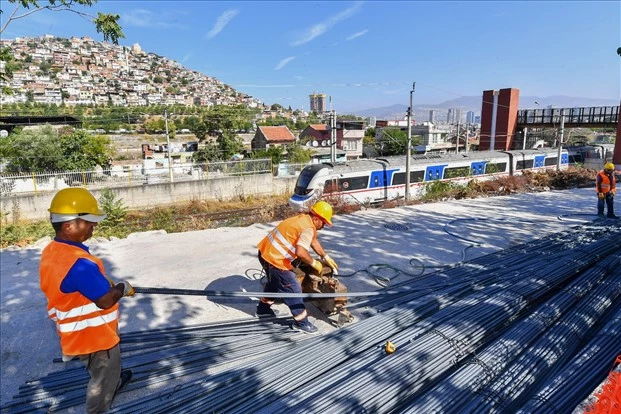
pixel 86 278
pixel 111 297
pixel 303 255
pixel 318 248
pixel 305 242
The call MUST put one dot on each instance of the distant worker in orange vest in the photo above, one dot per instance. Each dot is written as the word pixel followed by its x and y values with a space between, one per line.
pixel 606 188
pixel 289 242
pixel 81 299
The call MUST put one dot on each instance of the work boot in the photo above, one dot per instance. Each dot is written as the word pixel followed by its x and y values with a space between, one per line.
pixel 126 375
pixel 304 326
pixel 265 311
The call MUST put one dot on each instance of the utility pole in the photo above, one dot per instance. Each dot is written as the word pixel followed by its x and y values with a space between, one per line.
pixel 457 140
pixel 332 136
pixel 170 174
pixel 408 152
pixel 560 140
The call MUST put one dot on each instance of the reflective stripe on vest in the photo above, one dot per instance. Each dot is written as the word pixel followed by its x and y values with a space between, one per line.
pixel 284 247
pixel 279 246
pixel 87 323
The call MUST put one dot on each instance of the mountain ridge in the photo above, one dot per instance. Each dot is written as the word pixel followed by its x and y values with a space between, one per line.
pixel 474 103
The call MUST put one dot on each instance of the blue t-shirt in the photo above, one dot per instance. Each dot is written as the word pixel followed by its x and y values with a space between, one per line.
pixel 84 277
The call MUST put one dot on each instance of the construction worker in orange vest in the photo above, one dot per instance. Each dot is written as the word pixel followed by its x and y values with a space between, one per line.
pixel 606 189
pixel 292 240
pixel 81 299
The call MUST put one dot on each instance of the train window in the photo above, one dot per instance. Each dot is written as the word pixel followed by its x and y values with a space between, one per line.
pixel 493 168
pixel 346 184
pixel 456 172
pixel 524 164
pixel 304 179
pixel 415 177
pixel 353 183
pixel 330 186
pixel 551 160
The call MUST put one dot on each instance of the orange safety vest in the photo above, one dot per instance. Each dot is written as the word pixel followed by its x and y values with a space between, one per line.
pixel 278 247
pixel 83 327
pixel 606 184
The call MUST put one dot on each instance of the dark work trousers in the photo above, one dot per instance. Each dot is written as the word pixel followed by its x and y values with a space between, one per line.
pixel 104 368
pixel 285 281
pixel 609 200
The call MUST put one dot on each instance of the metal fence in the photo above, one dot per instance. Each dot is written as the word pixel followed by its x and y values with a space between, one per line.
pixel 128 175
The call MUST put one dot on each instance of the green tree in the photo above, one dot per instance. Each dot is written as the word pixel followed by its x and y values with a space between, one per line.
pixel 297 154
pixel 229 144
pixel 32 150
pixel 275 153
pixel 209 153
pixel 46 149
pixel 105 23
pixel 394 141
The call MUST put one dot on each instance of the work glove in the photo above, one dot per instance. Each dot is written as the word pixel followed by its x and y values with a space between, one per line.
pixel 330 262
pixel 317 266
pixel 128 290
pixel 601 196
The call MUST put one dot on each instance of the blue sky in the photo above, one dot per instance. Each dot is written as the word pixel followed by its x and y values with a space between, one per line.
pixel 367 54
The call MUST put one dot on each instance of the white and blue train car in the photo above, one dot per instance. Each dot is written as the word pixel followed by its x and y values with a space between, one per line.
pixel 376 180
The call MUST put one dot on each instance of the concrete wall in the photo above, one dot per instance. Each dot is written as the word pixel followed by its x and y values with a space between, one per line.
pixel 34 206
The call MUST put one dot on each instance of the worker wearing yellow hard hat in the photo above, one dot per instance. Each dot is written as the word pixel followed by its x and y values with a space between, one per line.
pixel 81 299
pixel 606 187
pixel 292 240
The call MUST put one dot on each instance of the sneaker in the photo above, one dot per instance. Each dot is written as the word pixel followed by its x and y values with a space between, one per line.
pixel 126 375
pixel 304 326
pixel 613 217
pixel 266 313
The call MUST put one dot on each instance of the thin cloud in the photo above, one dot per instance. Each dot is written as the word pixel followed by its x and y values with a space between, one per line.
pixel 355 35
pixel 187 57
pixel 320 28
pixel 284 62
pixel 222 21
pixel 144 18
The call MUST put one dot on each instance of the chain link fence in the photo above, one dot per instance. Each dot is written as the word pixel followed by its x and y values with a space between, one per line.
pixel 121 176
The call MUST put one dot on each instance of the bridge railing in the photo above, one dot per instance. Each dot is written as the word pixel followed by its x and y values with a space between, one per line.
pixel 586 115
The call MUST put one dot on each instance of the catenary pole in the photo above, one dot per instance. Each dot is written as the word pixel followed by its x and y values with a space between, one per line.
pixel 408 153
pixel 560 140
pixel 332 136
pixel 170 174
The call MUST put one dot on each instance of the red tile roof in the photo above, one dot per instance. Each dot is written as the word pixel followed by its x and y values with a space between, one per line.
pixel 277 134
pixel 319 127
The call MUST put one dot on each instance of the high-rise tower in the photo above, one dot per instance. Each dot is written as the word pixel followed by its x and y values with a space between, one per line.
pixel 317 102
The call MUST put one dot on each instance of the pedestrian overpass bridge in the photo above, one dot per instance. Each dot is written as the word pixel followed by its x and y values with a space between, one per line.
pixel 588 117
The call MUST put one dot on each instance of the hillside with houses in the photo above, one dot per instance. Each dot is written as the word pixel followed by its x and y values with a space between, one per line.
pixel 53 70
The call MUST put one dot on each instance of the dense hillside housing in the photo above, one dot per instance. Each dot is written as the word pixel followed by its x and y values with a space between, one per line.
pixel 74 71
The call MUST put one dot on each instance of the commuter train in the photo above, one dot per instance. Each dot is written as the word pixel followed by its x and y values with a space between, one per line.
pixel 380 179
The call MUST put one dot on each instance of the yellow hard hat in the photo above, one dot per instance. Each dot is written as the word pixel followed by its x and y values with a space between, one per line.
pixel 72 203
pixel 609 166
pixel 323 210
